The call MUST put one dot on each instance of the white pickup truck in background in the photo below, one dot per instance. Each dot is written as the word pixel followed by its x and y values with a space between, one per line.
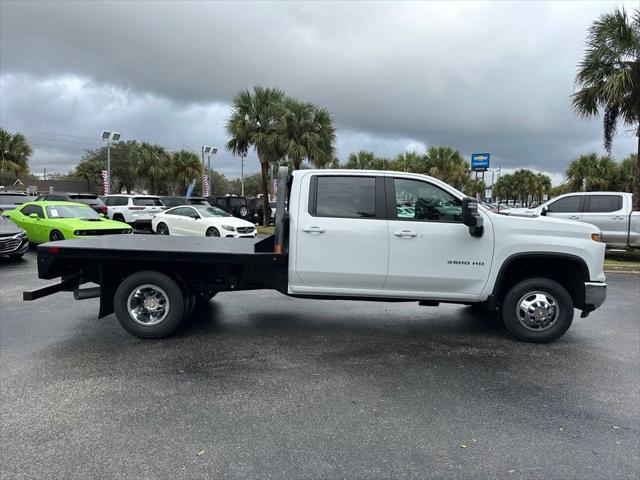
pixel 611 212
pixel 350 235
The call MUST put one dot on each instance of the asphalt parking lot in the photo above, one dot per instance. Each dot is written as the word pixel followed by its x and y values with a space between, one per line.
pixel 259 385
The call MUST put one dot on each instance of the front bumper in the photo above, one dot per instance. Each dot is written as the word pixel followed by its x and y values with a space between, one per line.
pixel 14 245
pixel 595 294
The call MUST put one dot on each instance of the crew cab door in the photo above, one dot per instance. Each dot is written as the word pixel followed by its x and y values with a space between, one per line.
pixel 431 251
pixel 569 208
pixel 342 238
pixel 608 213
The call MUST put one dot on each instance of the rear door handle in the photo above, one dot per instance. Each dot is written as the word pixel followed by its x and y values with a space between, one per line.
pixel 574 217
pixel 405 233
pixel 313 229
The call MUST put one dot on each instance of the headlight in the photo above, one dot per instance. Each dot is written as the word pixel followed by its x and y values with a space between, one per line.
pixel 21 234
pixel 229 227
pixel 595 237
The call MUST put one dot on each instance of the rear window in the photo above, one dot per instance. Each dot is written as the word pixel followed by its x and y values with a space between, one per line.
pixel 84 196
pixel 147 202
pixel 237 202
pixel 198 201
pixel 604 203
pixel 13 199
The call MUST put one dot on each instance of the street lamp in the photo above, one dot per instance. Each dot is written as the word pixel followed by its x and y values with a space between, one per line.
pixel 109 137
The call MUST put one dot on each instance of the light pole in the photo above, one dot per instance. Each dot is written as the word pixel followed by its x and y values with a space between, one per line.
pixel 242 174
pixel 208 150
pixel 109 137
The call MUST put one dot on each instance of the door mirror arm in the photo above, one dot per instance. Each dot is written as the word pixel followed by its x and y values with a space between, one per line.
pixel 471 217
pixel 543 211
pixel 34 215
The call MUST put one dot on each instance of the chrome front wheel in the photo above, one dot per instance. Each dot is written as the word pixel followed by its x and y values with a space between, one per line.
pixel 537 311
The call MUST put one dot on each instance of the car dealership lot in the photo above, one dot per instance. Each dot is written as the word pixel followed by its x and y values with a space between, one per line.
pixel 262 385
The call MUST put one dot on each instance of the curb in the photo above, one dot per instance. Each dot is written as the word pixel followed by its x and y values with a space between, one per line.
pixel 622 268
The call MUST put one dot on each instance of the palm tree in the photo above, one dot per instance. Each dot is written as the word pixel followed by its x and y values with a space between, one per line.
pixel 152 166
pixel 591 172
pixel 609 77
pixel 448 165
pixel 185 167
pixel 307 134
pixel 580 171
pixel 364 160
pixel 14 153
pixel 627 172
pixel 254 123
pixel 543 185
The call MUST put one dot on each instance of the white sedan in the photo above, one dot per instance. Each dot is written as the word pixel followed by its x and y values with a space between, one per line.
pixel 201 220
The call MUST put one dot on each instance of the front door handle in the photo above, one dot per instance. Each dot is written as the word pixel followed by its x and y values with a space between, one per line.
pixel 574 217
pixel 405 234
pixel 313 229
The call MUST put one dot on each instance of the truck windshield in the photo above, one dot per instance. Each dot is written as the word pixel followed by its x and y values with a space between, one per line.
pixel 212 212
pixel 70 211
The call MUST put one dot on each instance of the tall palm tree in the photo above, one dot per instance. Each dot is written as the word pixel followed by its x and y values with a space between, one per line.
pixel 14 153
pixel 254 123
pixel 307 133
pixel 185 167
pixel 609 77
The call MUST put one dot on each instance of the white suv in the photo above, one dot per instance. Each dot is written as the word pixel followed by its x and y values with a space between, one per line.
pixel 136 210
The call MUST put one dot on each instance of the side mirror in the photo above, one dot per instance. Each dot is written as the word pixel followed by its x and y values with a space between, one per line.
pixel 543 211
pixel 471 217
pixel 34 215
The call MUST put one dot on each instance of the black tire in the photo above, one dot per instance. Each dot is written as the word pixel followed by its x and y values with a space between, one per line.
pixel 56 235
pixel 517 322
pixel 118 218
pixel 174 299
pixel 162 229
pixel 212 232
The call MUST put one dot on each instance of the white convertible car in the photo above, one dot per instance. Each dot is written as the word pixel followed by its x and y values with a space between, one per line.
pixel 201 221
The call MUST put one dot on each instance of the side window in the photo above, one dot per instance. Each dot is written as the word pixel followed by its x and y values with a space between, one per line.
pixel 29 209
pixel 344 197
pixel 418 200
pixel 566 205
pixel 106 201
pixel 120 201
pixel 604 203
pixel 182 212
pixel 221 203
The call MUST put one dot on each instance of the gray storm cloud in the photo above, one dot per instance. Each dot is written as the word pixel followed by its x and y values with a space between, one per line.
pixel 478 76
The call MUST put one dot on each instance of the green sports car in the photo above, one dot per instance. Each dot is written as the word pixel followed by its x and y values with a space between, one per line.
pixel 50 221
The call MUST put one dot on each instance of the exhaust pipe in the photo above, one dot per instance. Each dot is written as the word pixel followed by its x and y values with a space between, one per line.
pixel 84 293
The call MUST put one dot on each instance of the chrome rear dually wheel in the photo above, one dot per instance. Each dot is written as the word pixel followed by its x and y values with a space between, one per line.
pixel 149 304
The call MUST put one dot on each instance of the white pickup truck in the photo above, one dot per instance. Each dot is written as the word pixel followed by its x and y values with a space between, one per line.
pixel 350 235
pixel 611 212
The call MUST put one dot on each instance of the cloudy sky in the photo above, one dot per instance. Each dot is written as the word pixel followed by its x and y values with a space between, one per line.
pixel 492 76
